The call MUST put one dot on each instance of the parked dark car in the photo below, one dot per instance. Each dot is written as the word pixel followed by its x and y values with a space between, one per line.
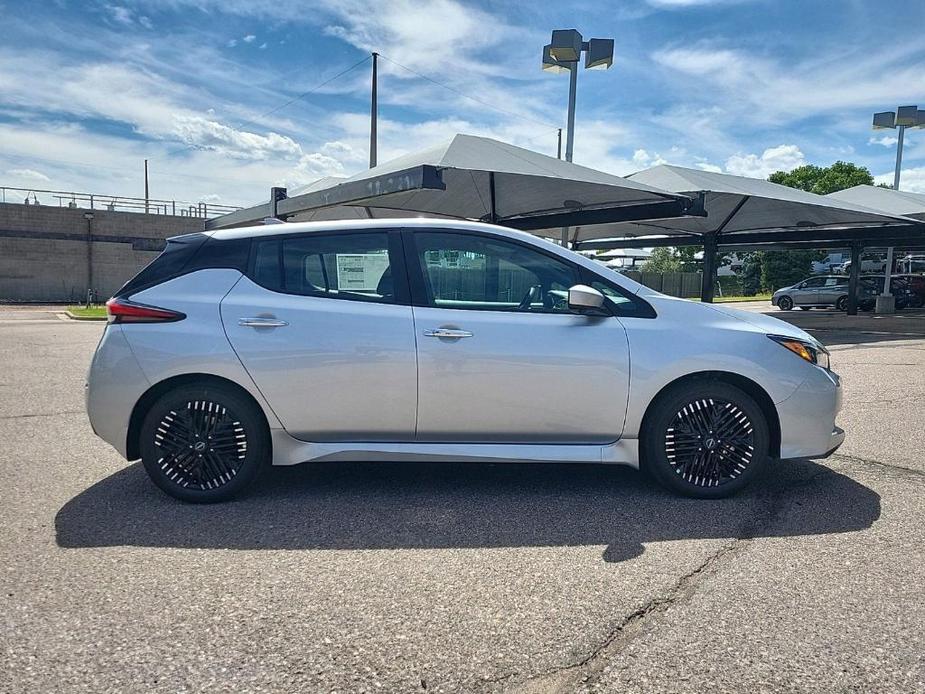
pixel 908 290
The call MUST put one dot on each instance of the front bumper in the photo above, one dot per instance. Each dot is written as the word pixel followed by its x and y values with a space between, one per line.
pixel 807 417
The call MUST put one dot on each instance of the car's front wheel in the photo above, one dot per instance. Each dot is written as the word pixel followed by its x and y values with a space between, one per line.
pixel 204 443
pixel 785 303
pixel 842 303
pixel 705 439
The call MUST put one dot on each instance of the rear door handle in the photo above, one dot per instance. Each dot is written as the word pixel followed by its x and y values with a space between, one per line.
pixel 262 323
pixel 447 332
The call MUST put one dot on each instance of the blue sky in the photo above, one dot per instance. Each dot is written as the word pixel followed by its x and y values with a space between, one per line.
pixel 90 89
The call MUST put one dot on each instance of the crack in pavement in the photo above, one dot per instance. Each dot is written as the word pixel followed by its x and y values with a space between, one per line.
pixel 581 675
pixel 893 467
pixel 41 414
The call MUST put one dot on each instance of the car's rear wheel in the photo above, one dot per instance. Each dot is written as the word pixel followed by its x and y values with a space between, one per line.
pixel 204 443
pixel 705 439
pixel 785 303
pixel 842 303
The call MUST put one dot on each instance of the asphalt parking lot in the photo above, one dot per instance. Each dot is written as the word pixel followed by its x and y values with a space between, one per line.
pixel 413 577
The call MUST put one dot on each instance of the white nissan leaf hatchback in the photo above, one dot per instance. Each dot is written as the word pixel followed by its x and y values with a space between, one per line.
pixel 433 340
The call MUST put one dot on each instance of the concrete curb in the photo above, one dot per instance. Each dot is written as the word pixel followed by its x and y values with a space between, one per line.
pixel 89 318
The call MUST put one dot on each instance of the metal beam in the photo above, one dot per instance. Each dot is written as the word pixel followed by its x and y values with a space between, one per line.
pixel 664 209
pixel 708 279
pixel 425 177
pixel 898 235
pixel 854 274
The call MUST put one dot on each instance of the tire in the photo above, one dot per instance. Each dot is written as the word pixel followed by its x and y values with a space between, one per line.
pixel 785 303
pixel 176 447
pixel 842 303
pixel 677 459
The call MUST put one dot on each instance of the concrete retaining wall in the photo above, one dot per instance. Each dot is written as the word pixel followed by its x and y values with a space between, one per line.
pixel 45 254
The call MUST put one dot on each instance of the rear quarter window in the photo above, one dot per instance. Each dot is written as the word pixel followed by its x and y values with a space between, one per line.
pixel 189 253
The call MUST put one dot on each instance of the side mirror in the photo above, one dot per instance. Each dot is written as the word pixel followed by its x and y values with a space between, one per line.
pixel 583 298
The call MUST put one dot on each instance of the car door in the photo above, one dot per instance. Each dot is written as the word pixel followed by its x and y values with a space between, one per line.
pixel 832 289
pixel 807 292
pixel 323 325
pixel 501 358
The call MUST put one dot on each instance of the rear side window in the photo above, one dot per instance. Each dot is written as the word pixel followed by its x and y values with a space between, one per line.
pixel 336 266
pixel 170 263
pixel 185 254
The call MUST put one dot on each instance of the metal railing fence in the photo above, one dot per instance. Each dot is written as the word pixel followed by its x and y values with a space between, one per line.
pixel 112 203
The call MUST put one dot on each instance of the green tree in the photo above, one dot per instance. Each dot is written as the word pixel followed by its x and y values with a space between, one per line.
pixel 823 180
pixel 750 274
pixel 663 260
pixel 783 268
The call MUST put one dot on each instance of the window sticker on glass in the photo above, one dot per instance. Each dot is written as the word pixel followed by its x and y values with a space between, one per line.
pixel 361 272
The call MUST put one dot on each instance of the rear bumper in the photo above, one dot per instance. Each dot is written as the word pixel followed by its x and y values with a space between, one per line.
pixel 807 417
pixel 114 384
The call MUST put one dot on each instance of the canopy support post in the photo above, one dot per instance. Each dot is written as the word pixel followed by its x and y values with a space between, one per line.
pixel 708 283
pixel 854 276
pixel 492 212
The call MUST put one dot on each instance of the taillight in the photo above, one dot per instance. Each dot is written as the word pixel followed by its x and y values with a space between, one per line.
pixel 125 311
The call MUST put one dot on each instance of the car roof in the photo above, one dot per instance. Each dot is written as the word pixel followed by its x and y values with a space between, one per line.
pixel 429 223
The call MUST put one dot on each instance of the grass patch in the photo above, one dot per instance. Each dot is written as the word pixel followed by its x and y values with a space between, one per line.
pixel 757 297
pixel 84 312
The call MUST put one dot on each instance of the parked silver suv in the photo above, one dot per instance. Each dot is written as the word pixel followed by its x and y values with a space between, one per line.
pixel 440 340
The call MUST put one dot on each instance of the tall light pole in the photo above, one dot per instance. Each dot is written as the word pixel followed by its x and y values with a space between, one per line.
pixel 900 119
pixel 563 54
pixel 374 113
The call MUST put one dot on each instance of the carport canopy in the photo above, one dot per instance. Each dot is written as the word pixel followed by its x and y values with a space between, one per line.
pixel 748 214
pixel 884 200
pixel 477 178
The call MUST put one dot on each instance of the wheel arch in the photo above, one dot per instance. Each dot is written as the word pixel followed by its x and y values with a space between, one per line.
pixel 743 383
pixel 150 396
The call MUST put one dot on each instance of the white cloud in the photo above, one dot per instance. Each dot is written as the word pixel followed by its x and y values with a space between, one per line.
pixel 911 180
pixel 232 43
pixel 885 141
pixel 27 175
pixel 706 166
pixel 263 45
pixel 643 159
pixel 202 133
pixel 119 14
pixel 780 158
pixel 250 38
pixel 771 91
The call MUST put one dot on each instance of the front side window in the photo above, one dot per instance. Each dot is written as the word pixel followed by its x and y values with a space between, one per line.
pixel 467 271
pixel 338 266
pixel 813 283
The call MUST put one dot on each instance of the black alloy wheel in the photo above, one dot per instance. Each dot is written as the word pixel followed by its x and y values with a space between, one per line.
pixel 204 444
pixel 710 442
pixel 785 303
pixel 705 439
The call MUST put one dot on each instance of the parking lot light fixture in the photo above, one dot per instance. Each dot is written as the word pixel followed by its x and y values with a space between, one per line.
pixel 563 53
pixel 900 119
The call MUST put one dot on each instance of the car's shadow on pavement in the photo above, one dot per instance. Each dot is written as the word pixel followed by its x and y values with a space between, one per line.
pixel 448 505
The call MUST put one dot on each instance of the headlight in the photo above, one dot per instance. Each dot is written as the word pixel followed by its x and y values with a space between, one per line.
pixel 812 352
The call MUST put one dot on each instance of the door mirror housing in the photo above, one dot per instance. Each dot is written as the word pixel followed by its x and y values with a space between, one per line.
pixel 585 299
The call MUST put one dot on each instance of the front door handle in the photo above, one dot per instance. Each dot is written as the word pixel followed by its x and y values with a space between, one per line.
pixel 262 322
pixel 447 332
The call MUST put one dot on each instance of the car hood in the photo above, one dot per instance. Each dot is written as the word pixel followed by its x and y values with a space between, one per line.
pixel 767 324
pixel 705 313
